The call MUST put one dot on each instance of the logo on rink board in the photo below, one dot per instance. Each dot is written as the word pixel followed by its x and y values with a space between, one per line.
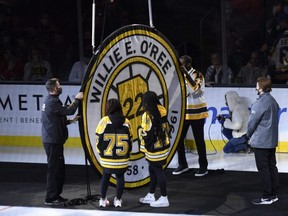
pixel 131 61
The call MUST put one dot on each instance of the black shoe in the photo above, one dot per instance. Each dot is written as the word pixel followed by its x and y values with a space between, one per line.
pixel 201 172
pixel 264 201
pixel 60 198
pixel 249 150
pixel 180 169
pixel 56 202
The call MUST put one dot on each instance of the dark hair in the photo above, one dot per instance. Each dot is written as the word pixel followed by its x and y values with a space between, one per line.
pixel 187 62
pixel 187 59
pixel 150 101
pixel 113 106
pixel 265 84
pixel 212 55
pixel 51 83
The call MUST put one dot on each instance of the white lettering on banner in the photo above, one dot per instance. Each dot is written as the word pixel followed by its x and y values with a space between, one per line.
pixel 14 121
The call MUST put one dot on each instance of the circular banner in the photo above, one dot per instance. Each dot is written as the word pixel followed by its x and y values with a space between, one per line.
pixel 131 61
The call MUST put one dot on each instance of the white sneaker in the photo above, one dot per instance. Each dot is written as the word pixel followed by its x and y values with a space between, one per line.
pixel 147 199
pixel 117 202
pixel 103 202
pixel 161 202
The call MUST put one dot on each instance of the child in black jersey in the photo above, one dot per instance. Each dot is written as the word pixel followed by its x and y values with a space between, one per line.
pixel 155 143
pixel 114 145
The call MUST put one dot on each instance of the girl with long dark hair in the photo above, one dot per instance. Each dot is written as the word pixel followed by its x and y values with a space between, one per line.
pixel 155 143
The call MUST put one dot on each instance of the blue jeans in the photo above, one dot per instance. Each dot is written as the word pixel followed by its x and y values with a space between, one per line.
pixel 234 144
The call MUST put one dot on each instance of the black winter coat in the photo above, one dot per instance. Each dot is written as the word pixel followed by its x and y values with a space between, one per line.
pixel 54 120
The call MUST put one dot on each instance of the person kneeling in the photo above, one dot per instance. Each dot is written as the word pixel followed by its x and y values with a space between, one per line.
pixel 234 126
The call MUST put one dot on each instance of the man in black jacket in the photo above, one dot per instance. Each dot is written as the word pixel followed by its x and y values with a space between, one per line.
pixel 54 135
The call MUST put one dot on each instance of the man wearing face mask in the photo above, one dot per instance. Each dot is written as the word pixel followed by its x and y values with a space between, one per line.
pixel 54 135
pixel 262 130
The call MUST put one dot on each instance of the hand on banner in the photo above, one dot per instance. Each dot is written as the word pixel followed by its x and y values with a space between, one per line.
pixel 79 96
pixel 75 119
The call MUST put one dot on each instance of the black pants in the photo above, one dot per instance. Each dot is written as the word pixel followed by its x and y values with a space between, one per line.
pixel 105 183
pixel 266 165
pixel 198 133
pixel 157 176
pixel 55 171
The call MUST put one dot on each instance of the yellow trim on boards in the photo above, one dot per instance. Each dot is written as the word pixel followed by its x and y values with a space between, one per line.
pixel 219 144
pixel 35 141
pixel 75 142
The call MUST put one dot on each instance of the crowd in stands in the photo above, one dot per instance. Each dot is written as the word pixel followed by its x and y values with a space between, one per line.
pixel 42 49
pixel 269 59
pixel 35 51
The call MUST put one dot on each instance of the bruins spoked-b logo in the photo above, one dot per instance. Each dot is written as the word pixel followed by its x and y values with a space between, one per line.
pixel 131 61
